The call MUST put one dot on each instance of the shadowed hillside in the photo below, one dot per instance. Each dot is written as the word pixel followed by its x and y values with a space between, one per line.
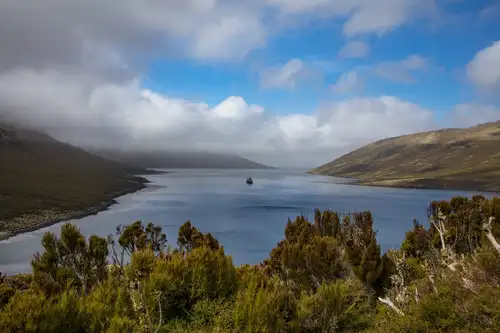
pixel 182 160
pixel 42 180
pixel 451 158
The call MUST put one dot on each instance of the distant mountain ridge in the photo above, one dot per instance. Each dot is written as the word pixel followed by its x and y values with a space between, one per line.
pixel 181 160
pixel 467 159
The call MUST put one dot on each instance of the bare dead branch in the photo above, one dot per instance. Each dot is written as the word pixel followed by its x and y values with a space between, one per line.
pixel 161 319
pixel 389 303
pixel 487 229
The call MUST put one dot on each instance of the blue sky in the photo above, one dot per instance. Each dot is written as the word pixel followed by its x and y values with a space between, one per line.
pixel 448 43
pixel 285 82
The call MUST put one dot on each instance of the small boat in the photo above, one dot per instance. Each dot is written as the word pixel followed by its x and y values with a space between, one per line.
pixel 249 181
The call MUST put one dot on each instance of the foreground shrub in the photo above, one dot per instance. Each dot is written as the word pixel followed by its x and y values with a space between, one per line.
pixel 24 313
pixel 325 276
pixel 6 293
pixel 305 258
pixel 217 314
pixel 340 306
pixel 451 309
pixel 70 261
pixel 32 312
pixel 108 307
pixel 270 308
pixel 184 279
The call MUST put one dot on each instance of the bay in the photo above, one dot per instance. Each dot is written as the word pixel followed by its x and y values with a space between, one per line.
pixel 247 220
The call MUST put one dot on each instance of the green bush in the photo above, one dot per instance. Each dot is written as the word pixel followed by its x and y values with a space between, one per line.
pixel 325 276
pixel 33 312
pixel 184 279
pixel 264 309
pixel 70 261
pixel 218 314
pixel 122 325
pixel 6 293
pixel 107 306
pixel 341 306
pixel 24 313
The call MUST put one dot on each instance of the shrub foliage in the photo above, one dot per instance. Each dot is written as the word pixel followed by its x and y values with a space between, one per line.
pixel 326 275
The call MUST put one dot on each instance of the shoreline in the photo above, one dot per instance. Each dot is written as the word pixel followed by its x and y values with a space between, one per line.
pixel 418 184
pixel 71 215
pixel 378 183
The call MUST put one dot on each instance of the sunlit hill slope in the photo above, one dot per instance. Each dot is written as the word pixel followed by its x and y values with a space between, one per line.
pixel 466 159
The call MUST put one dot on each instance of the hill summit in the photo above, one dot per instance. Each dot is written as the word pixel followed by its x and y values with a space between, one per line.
pixel 465 159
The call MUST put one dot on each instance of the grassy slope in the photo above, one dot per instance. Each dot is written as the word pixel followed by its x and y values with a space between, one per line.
pixel 452 158
pixel 39 174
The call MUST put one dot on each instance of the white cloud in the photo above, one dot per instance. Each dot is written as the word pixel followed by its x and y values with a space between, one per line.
pixel 76 69
pixel 484 69
pixel 51 32
pixel 308 6
pixel 402 71
pixel 136 117
pixel 466 115
pixel 124 115
pixel 355 49
pixel 350 82
pixel 55 33
pixel 490 12
pixel 382 16
pixel 363 16
pixel 361 120
pixel 289 75
pixel 234 35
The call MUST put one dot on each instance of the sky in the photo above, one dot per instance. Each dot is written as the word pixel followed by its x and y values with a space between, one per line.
pixel 293 83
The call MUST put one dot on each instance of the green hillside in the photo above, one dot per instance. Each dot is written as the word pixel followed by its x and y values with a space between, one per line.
pixel 42 179
pixel 466 159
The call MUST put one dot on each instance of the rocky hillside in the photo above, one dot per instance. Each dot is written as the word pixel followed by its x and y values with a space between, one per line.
pixel 466 159
pixel 40 176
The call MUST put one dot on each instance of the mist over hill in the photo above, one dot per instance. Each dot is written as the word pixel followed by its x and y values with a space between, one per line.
pixel 181 159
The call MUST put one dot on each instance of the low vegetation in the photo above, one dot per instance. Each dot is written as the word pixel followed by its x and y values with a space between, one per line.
pixel 326 275
pixel 465 159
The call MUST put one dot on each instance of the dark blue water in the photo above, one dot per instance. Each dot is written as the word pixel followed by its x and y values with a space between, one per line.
pixel 247 220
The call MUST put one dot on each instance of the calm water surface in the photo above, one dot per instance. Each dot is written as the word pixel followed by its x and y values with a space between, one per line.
pixel 247 220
